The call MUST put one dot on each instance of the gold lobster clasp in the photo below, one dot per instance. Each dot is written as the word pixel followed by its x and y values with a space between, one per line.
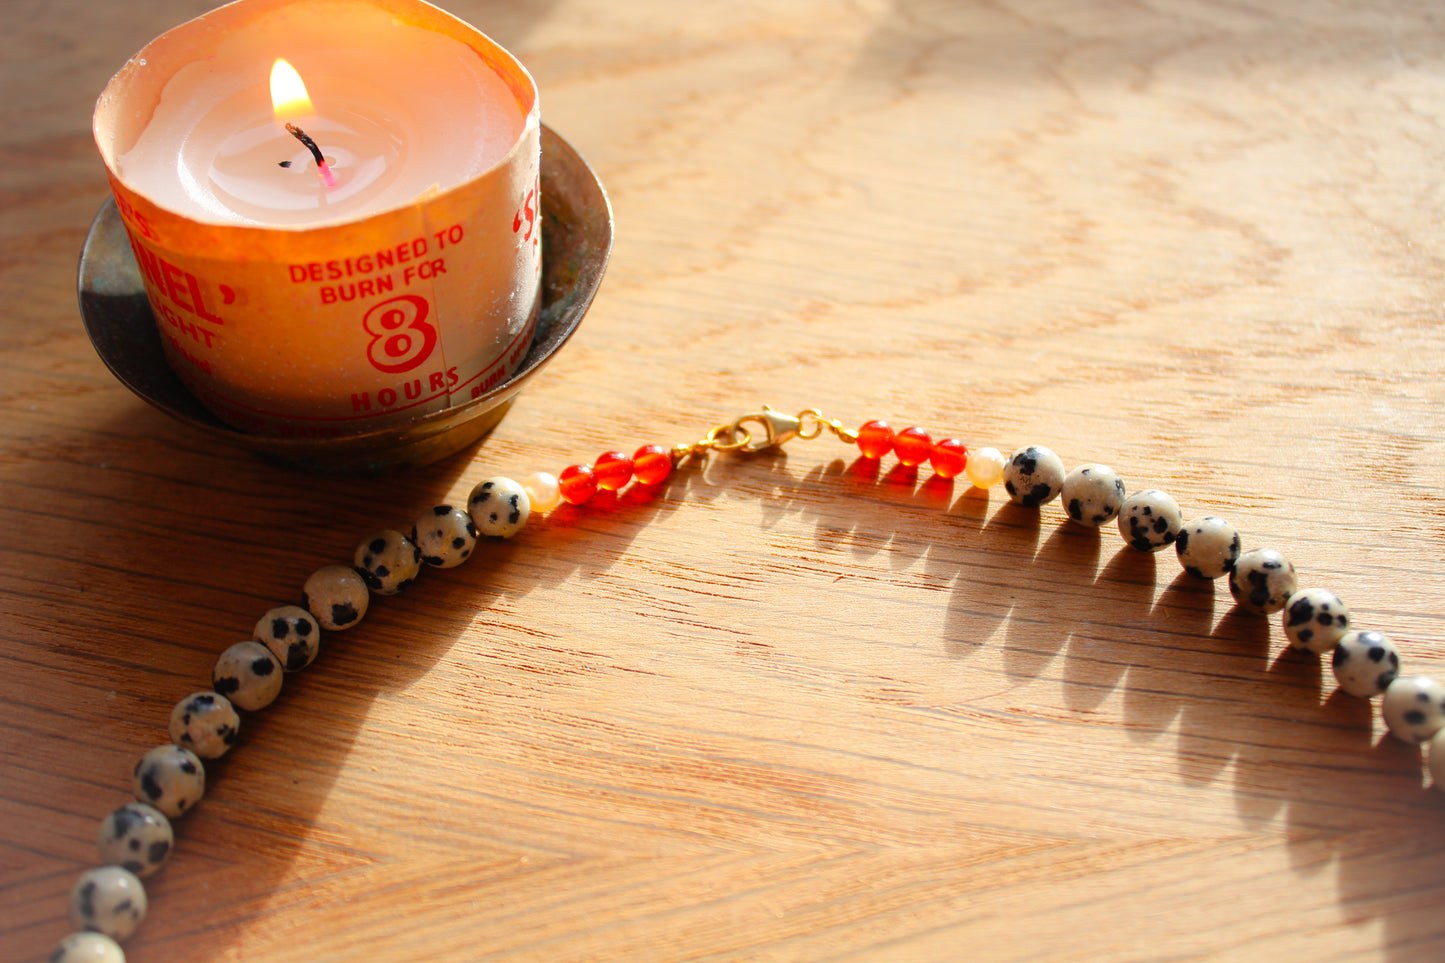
pixel 764 430
pixel 775 429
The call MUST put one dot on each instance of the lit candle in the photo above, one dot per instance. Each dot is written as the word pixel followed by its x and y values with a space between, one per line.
pixel 290 101
pixel 346 241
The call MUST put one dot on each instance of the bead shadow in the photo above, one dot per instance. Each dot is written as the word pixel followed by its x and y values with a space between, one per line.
pixel 1183 613
pixel 1097 657
pixel 1238 708
pixel 991 569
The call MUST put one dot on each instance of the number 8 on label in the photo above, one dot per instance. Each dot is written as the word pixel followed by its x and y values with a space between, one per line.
pixel 401 338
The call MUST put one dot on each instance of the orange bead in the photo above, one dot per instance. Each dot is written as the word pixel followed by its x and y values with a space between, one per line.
pixel 577 483
pixel 612 470
pixel 652 464
pixel 875 439
pixel 912 446
pixel 949 457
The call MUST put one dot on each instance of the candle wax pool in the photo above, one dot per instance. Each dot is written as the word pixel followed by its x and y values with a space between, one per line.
pixel 422 115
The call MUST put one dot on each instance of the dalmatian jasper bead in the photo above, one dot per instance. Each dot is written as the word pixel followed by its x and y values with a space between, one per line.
pixel 171 779
pixel 1093 494
pixel 1315 620
pixel 291 633
pixel 1150 520
pixel 500 507
pixel 1365 663
pixel 387 562
pixel 136 837
pixel 1034 476
pixel 247 674
pixel 1262 581
pixel 1414 708
pixel 985 467
pixel 87 947
pixel 337 596
pixel 445 536
pixel 1207 547
pixel 109 900
pixel 205 723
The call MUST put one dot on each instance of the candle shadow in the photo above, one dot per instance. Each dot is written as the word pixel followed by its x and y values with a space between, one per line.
pixel 254 532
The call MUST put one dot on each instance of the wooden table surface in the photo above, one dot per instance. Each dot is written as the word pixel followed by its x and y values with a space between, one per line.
pixel 789 707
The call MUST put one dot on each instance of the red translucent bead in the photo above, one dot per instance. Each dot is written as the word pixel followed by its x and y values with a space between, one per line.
pixel 577 484
pixel 652 464
pixel 875 439
pixel 912 446
pixel 612 470
pixel 949 458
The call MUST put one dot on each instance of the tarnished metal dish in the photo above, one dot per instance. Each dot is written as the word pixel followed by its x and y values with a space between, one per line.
pixel 576 243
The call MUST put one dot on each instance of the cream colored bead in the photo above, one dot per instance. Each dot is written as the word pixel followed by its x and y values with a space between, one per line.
pixel 985 467
pixel 542 491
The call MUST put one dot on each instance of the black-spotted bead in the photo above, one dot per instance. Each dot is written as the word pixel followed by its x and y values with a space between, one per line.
pixel 109 900
pixel 500 507
pixel 136 837
pixel 292 635
pixel 1093 494
pixel 205 723
pixel 337 596
pixel 247 674
pixel 1365 663
pixel 1262 581
pixel 387 562
pixel 1208 547
pixel 1315 620
pixel 87 947
pixel 1414 708
pixel 1150 521
pixel 445 536
pixel 171 779
pixel 1034 476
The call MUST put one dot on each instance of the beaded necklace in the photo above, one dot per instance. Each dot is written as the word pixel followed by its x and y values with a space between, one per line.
pixel 108 903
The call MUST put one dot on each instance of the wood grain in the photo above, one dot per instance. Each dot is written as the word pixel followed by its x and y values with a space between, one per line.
pixel 789 708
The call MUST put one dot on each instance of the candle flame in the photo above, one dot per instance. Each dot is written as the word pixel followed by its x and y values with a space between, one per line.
pixel 288 93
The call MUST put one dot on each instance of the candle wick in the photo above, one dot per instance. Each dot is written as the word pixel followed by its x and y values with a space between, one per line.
pixel 310 144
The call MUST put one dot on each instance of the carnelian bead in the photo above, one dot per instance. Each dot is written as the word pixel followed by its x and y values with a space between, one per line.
pixel 652 464
pixel 949 458
pixel 612 470
pixel 577 483
pixel 875 439
pixel 912 446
